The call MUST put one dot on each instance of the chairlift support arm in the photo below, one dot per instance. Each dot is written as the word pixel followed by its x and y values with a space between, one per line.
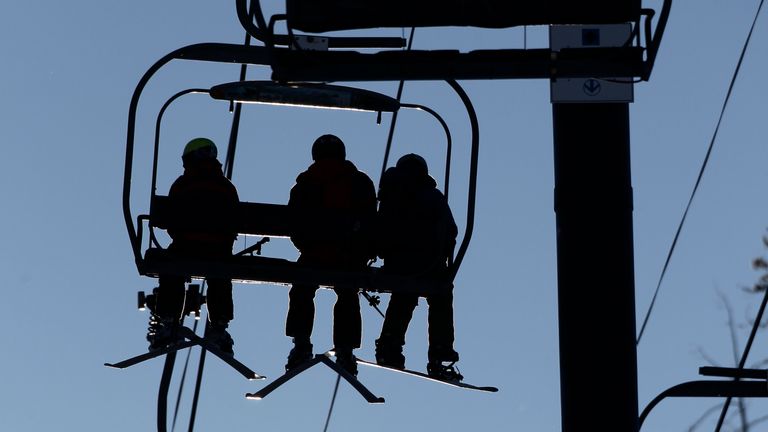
pixel 741 389
pixel 472 192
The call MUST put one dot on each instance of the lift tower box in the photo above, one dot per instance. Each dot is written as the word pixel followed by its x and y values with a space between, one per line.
pixel 331 15
pixel 591 90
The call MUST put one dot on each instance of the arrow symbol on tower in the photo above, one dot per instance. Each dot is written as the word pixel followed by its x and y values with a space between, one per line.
pixel 592 87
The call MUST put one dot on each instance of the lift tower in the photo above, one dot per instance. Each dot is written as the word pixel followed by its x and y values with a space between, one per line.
pixel 595 259
pixel 595 271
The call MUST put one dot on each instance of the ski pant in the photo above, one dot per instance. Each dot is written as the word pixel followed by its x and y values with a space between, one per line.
pixel 439 318
pixel 170 294
pixel 347 321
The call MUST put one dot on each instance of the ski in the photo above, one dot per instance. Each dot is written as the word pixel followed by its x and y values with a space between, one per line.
pixel 225 357
pixel 429 378
pixel 319 358
pixel 150 355
pixel 192 340
pixel 269 388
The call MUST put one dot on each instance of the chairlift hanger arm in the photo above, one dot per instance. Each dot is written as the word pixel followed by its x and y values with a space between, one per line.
pixel 472 192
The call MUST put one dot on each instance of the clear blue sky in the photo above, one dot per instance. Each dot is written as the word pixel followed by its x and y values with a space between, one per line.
pixel 68 72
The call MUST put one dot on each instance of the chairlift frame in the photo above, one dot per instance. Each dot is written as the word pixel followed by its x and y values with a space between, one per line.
pixel 273 270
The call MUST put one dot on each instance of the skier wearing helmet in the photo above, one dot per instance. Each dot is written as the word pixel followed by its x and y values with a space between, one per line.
pixel 334 206
pixel 202 204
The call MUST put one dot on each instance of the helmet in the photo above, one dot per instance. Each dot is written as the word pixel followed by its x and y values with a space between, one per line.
pixel 413 164
pixel 328 147
pixel 200 148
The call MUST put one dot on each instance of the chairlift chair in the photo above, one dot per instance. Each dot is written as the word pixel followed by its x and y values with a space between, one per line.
pixel 274 220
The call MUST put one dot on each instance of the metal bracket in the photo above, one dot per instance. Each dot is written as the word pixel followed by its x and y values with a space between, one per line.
pixel 309 43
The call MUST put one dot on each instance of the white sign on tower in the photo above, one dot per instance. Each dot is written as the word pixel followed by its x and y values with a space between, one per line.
pixel 590 90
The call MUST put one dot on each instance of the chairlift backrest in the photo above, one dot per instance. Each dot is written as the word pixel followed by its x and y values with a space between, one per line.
pixel 271 220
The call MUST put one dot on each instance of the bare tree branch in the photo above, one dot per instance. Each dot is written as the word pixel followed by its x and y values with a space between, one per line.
pixel 706 357
pixel 735 349
pixel 704 416
pixel 758 420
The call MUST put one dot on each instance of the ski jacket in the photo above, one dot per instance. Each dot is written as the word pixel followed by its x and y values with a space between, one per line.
pixel 333 206
pixel 416 229
pixel 203 208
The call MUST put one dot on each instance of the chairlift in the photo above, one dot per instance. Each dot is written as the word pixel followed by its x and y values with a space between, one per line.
pixel 274 220
pixel 296 72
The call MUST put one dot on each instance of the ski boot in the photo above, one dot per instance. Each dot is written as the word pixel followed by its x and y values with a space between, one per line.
pixel 217 333
pixel 346 360
pixel 162 332
pixel 300 353
pixel 441 364
pixel 389 354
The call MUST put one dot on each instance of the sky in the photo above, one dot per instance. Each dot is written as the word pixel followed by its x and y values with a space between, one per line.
pixel 69 69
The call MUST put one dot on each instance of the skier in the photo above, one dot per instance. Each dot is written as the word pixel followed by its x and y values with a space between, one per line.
pixel 202 204
pixel 333 205
pixel 416 236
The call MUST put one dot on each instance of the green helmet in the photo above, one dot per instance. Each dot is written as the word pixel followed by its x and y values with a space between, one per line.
pixel 200 148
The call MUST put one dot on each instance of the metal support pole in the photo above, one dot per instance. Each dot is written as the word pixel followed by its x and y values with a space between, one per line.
pixel 596 292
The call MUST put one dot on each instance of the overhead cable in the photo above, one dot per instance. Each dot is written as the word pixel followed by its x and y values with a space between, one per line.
pixel 701 174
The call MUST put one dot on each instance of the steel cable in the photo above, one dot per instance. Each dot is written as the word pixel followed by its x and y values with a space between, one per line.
pixel 701 174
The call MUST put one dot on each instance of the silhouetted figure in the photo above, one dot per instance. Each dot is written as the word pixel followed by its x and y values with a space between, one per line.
pixel 202 205
pixel 333 205
pixel 416 236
